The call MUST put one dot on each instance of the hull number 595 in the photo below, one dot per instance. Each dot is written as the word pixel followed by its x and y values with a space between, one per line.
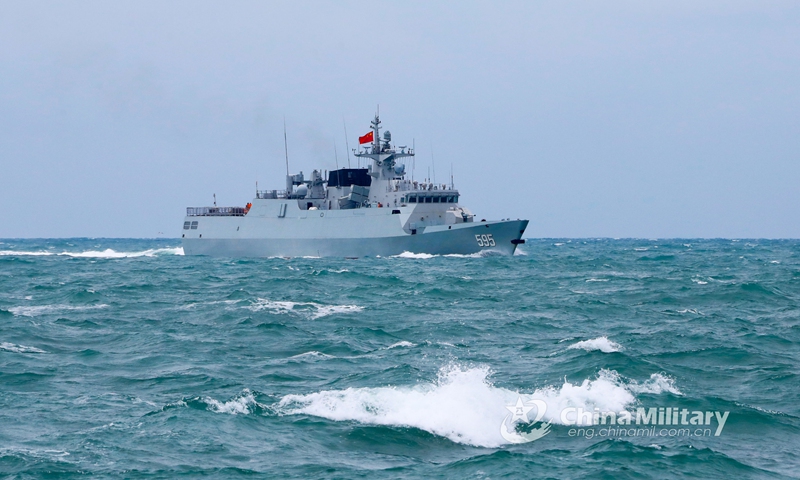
pixel 485 240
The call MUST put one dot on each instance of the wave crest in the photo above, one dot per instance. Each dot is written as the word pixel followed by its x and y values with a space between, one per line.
pixel 309 309
pixel 461 405
pixel 10 347
pixel 602 344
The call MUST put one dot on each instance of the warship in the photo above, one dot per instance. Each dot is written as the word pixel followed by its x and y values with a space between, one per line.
pixel 354 212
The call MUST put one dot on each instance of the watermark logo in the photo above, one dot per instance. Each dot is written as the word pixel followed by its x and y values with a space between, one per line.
pixel 519 418
pixel 517 426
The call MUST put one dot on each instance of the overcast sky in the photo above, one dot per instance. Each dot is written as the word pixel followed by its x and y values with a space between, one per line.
pixel 590 119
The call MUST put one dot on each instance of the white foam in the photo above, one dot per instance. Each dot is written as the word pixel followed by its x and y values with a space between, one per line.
pixel 191 306
pixel 312 354
pixel 309 309
pixel 325 310
pixel 600 343
pixel 461 405
pixel 262 304
pixel 414 255
pixel 480 254
pixel 699 282
pixel 441 344
pixel 656 384
pixel 10 347
pixel 34 311
pixel 107 253
pixel 641 249
pixel 240 405
pixel 425 256
pixel 403 343
pixel 22 254
pixel 596 279
pixel 56 455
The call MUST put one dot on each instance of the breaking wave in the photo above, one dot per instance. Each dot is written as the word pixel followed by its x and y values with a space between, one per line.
pixel 414 255
pixel 462 405
pixel 10 347
pixel 311 355
pixel 602 344
pixel 241 405
pixel 656 384
pixel 309 309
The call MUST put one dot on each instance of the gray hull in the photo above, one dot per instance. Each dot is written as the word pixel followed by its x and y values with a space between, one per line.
pixel 343 233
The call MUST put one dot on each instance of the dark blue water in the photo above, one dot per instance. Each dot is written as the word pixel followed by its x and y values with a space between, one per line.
pixel 125 358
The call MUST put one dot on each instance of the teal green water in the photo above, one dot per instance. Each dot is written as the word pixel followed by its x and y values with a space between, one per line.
pixel 125 358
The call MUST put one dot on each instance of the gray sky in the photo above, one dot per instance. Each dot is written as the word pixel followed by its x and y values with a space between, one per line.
pixel 618 119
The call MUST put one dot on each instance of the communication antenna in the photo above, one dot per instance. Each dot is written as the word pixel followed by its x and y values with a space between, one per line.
pixel 433 162
pixel 285 145
pixel 452 185
pixel 336 155
pixel 346 143
pixel 414 158
pixel 215 199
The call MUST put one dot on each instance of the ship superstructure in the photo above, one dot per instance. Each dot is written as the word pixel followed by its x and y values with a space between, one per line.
pixel 354 212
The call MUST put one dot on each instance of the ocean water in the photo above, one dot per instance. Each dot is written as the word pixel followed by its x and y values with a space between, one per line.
pixel 124 358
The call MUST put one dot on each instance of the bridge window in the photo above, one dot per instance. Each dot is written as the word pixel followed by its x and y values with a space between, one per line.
pixel 194 225
pixel 186 225
pixel 428 200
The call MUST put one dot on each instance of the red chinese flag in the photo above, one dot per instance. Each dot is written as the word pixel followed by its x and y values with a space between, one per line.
pixel 366 138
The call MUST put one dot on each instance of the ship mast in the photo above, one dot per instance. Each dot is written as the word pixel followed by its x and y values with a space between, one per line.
pixel 383 155
pixel 376 137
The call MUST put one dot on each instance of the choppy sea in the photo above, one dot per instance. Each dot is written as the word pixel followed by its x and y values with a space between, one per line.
pixel 124 358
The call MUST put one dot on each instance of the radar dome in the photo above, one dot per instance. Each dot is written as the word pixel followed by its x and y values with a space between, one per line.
pixel 301 191
pixel 399 169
